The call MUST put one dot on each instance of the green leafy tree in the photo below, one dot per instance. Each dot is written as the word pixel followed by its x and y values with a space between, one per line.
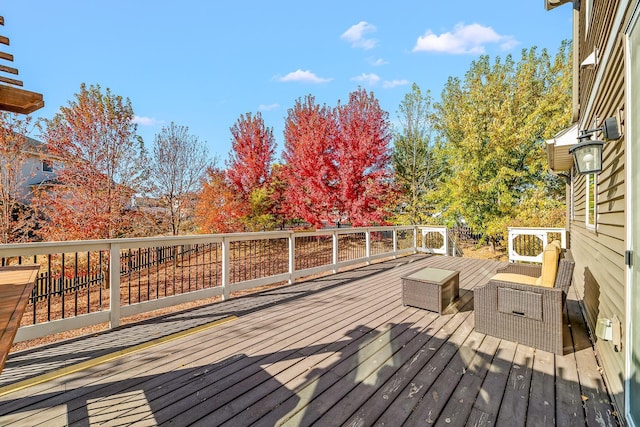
pixel 260 215
pixel 492 127
pixel 415 163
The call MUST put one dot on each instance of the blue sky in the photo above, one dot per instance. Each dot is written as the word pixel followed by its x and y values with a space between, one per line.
pixel 202 64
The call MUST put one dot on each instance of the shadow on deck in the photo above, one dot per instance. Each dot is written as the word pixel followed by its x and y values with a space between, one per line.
pixel 338 350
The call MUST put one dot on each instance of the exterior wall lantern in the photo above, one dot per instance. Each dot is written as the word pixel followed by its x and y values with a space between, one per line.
pixel 587 154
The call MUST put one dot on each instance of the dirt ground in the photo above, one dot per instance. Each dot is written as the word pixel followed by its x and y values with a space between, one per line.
pixel 484 252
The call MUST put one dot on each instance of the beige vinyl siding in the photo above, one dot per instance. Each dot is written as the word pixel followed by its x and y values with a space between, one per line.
pixel 599 254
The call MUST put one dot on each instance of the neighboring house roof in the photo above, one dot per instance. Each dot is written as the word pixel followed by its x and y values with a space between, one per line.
pixel 46 183
pixel 36 169
pixel 37 148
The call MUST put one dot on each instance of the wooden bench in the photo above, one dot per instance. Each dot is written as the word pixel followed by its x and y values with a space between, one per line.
pixel 16 285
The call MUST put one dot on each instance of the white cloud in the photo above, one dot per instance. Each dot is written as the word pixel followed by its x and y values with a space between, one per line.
pixel 303 77
pixel 377 62
pixel 146 121
pixel 369 79
pixel 268 107
pixel 463 39
pixel 390 84
pixel 356 35
pixel 509 43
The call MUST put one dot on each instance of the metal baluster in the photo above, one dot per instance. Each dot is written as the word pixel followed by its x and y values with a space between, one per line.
pixel 90 281
pixel 157 259
pixel 101 282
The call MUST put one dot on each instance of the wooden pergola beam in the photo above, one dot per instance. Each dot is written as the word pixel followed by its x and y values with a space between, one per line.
pixel 9 70
pixel 15 99
pixel 18 100
pixel 9 81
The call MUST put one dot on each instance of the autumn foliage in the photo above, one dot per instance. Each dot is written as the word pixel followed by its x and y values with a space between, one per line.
pixel 362 157
pixel 239 198
pixel 252 151
pixel 16 219
pixel 337 162
pixel 219 209
pixel 95 139
pixel 475 157
pixel 309 172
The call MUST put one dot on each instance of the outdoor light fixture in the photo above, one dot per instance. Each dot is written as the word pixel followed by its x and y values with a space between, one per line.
pixel 587 154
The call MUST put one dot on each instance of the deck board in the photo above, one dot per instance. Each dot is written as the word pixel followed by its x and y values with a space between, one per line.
pixel 487 403
pixel 337 350
pixel 541 409
pixel 596 405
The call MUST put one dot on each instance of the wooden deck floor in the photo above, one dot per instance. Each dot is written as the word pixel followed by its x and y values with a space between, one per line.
pixel 339 350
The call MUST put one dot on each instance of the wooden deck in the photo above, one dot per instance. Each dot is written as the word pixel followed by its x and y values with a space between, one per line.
pixel 338 350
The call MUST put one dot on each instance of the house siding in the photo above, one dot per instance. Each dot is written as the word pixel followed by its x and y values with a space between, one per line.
pixel 599 275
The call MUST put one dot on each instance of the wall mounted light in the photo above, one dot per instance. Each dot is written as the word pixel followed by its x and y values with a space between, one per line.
pixel 587 154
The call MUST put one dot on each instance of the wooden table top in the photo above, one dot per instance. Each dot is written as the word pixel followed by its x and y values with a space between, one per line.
pixel 16 285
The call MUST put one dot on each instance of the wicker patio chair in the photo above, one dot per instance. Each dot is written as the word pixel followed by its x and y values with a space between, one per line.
pixel 526 313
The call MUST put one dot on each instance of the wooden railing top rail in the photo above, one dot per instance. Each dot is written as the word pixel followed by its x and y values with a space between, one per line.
pixel 43 248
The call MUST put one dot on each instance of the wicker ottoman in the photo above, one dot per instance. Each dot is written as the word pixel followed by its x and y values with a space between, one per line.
pixel 433 289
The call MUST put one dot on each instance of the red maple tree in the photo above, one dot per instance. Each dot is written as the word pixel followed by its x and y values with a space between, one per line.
pixel 363 158
pixel 310 170
pixel 252 149
pixel 337 162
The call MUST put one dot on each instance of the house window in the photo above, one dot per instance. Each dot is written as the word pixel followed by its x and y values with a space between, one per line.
pixel 47 166
pixel 591 201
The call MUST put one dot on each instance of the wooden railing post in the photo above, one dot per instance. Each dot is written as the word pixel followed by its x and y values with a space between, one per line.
pixel 114 285
pixel 225 268
pixel 292 256
pixel 334 248
pixel 395 242
pixel 445 235
pixel 563 238
pixel 367 238
pixel 511 236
